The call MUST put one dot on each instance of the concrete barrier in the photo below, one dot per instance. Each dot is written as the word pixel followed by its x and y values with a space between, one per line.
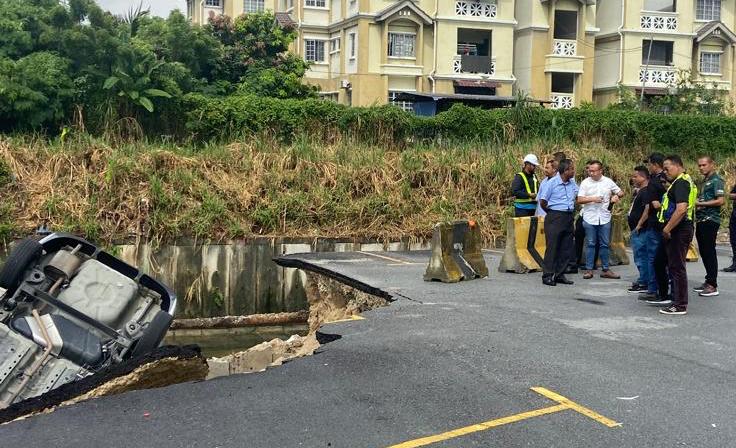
pixel 692 253
pixel 456 253
pixel 525 245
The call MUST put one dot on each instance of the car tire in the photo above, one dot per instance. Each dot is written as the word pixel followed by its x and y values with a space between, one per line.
pixel 25 253
pixel 153 334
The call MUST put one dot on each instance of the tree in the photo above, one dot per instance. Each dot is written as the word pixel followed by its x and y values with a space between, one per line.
pixel 256 56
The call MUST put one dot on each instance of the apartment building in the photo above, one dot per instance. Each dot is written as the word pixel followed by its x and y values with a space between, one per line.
pixel 643 44
pixel 554 50
pixel 363 52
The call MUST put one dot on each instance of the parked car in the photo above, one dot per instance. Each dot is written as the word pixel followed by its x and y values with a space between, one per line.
pixel 69 309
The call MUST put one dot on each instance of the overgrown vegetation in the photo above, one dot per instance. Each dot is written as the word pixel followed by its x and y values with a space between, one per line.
pixel 259 187
pixel 69 63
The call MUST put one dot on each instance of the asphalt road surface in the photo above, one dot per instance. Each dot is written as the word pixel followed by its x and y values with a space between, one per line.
pixel 442 359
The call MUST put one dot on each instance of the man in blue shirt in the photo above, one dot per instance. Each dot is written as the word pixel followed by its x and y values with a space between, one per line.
pixel 558 200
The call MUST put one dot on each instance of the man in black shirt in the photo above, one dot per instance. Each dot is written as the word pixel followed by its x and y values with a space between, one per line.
pixel 658 285
pixel 677 214
pixel 639 230
pixel 732 232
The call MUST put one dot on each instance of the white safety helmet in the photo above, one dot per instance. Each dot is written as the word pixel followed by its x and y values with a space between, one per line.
pixel 531 158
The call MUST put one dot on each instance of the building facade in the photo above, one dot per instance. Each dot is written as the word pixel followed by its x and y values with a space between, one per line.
pixel 567 52
pixel 647 44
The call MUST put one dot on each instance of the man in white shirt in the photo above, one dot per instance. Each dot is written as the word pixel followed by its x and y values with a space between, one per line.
pixel 597 193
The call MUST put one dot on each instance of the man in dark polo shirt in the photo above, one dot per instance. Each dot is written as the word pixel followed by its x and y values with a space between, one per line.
pixel 708 219
pixel 677 215
pixel 659 280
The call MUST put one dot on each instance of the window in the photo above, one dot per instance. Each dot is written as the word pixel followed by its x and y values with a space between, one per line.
pixel 215 3
pixel 314 50
pixel 660 5
pixel 710 63
pixel 253 6
pixel 563 82
pixel 708 10
pixel 352 45
pixel 401 45
pixel 316 3
pixel 566 25
pixel 404 105
pixel 661 52
pixel 334 45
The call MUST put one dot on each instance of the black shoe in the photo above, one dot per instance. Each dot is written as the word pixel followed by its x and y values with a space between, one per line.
pixel 660 301
pixel 731 268
pixel 571 270
pixel 637 288
pixel 647 296
pixel 562 279
pixel 674 310
pixel 549 281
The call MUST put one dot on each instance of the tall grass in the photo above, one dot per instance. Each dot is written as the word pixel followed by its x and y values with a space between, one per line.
pixel 252 187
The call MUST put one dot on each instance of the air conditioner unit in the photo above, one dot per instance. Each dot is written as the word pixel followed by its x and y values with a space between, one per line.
pixel 345 84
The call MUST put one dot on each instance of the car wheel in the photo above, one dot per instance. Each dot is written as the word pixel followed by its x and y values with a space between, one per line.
pixel 153 334
pixel 25 253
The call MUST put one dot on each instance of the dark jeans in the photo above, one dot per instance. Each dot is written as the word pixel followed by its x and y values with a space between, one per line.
pixel 706 233
pixel 677 247
pixel 732 234
pixel 523 212
pixel 660 269
pixel 558 230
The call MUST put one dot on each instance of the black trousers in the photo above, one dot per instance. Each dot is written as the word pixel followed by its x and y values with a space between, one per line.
pixel 522 212
pixel 732 234
pixel 558 230
pixel 660 270
pixel 706 233
pixel 677 247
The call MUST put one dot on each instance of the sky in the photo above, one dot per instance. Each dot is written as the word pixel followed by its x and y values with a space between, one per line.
pixel 157 7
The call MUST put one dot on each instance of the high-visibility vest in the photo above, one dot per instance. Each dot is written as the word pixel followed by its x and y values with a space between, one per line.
pixel 528 189
pixel 662 214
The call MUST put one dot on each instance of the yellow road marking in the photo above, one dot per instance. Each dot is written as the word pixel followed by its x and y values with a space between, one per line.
pixel 395 260
pixel 349 319
pixel 480 427
pixel 564 404
pixel 576 407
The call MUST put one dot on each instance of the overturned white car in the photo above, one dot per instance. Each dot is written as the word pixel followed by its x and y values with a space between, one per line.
pixel 69 309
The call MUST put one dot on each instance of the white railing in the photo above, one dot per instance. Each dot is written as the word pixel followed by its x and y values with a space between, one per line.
pixel 564 47
pixel 457 66
pixel 657 76
pixel 658 22
pixel 476 8
pixel 562 101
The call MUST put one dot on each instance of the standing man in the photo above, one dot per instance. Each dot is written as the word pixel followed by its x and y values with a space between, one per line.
pixel 708 219
pixel 677 215
pixel 638 219
pixel 659 280
pixel 558 200
pixel 596 193
pixel 732 232
pixel 550 171
pixel 579 235
pixel 525 187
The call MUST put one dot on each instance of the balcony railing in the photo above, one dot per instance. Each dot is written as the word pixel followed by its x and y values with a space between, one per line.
pixel 662 22
pixel 562 101
pixel 657 76
pixel 474 64
pixel 564 47
pixel 476 8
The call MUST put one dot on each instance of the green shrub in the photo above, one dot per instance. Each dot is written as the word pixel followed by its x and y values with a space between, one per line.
pixel 222 119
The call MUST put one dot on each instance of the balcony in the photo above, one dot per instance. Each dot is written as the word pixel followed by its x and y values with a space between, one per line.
pixel 564 47
pixel 662 22
pixel 474 64
pixel 476 8
pixel 657 76
pixel 562 100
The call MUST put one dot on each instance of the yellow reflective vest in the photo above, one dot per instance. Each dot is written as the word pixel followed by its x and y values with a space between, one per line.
pixel 528 187
pixel 663 214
